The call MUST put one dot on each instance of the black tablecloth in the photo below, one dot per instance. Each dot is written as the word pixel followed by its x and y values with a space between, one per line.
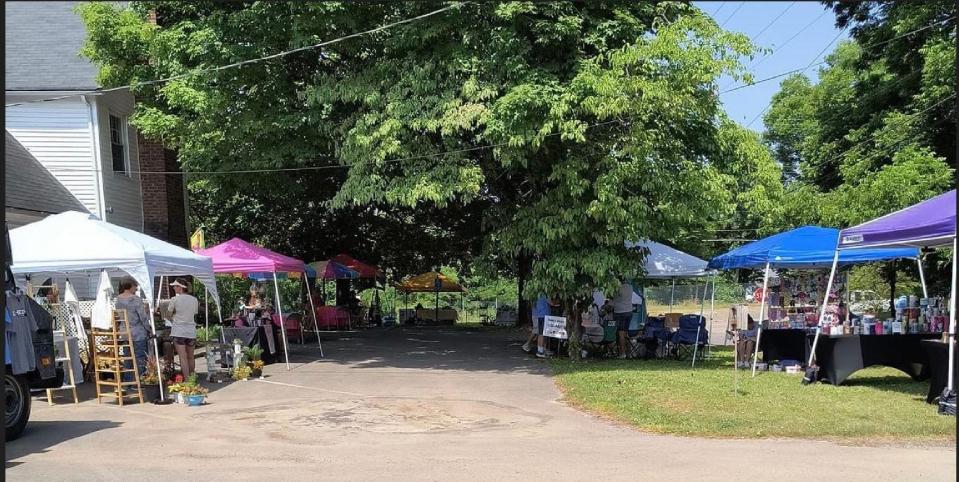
pixel 937 353
pixel 780 344
pixel 254 335
pixel 839 356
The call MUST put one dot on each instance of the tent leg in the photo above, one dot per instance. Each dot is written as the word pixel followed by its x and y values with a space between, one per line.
pixel 279 311
pixel 762 314
pixel 712 314
pixel 156 347
pixel 822 311
pixel 699 324
pixel 952 320
pixel 922 277
pixel 159 292
pixel 316 324
pixel 672 291
pixel 206 309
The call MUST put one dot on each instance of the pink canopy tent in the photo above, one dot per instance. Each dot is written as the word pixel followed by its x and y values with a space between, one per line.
pixel 237 256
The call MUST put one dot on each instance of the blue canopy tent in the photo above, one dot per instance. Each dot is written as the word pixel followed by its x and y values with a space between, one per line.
pixel 807 247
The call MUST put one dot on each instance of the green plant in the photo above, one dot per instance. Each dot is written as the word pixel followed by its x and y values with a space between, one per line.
pixel 242 372
pixel 205 335
pixel 253 353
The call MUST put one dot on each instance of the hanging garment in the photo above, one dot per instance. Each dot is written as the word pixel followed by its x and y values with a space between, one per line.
pixel 72 301
pixel 102 314
pixel 19 333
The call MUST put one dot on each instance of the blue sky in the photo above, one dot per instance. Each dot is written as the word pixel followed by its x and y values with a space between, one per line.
pixel 796 38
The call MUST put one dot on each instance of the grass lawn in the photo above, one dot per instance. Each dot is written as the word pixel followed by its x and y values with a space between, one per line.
pixel 666 396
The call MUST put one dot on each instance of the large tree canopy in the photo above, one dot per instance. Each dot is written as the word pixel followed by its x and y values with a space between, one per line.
pixel 877 132
pixel 576 125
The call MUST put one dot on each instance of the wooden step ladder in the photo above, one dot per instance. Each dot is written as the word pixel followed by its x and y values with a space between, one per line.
pixel 109 358
pixel 67 359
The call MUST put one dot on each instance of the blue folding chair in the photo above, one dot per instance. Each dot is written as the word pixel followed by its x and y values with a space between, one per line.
pixel 691 332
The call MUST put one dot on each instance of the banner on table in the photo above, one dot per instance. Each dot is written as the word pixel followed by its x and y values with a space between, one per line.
pixel 555 327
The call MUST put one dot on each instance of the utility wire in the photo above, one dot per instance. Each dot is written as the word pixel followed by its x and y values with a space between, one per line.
pixel 811 62
pixel 732 15
pixel 245 62
pixel 770 24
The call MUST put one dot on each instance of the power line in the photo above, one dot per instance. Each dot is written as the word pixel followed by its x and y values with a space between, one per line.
pixel 770 24
pixel 245 62
pixel 821 52
pixel 732 14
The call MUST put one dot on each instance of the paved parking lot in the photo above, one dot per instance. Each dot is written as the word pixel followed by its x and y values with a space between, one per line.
pixel 425 404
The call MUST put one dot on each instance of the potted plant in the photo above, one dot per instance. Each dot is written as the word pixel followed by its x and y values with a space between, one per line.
pixel 253 354
pixel 175 388
pixel 193 393
pixel 151 380
pixel 241 372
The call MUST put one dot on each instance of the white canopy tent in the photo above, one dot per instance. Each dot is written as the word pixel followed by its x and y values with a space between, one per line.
pixel 74 242
pixel 663 262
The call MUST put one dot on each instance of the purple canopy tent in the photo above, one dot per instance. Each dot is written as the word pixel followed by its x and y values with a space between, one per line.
pixel 931 223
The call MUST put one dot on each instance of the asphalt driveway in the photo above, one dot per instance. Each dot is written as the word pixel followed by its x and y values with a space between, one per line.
pixel 424 404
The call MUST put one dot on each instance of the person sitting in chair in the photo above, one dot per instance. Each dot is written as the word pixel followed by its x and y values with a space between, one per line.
pixel 745 340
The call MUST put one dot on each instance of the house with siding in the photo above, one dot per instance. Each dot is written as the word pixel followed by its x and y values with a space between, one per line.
pixel 84 138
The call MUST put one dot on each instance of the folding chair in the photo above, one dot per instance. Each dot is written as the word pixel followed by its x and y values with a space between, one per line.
pixel 685 339
pixel 654 337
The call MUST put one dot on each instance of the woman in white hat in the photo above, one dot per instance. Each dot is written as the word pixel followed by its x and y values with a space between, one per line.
pixel 183 308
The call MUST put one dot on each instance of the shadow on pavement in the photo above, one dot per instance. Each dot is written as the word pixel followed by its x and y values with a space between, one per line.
pixel 41 436
pixel 479 349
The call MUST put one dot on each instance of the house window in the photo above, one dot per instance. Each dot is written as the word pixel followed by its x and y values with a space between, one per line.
pixel 118 145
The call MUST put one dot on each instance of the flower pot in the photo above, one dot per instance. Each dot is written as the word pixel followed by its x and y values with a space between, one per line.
pixel 256 372
pixel 151 392
pixel 195 400
pixel 180 398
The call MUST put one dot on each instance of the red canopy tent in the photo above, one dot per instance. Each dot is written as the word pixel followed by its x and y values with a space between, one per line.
pixel 364 270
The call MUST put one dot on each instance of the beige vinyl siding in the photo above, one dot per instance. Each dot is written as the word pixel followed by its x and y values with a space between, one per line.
pixel 59 136
pixel 121 191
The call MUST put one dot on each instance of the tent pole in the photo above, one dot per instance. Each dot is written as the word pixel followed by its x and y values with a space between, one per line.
pixel 156 346
pixel 672 291
pixel 822 311
pixel 762 313
pixel 952 320
pixel 159 292
pixel 316 324
pixel 279 310
pixel 712 314
pixel 922 276
pixel 700 322
pixel 206 310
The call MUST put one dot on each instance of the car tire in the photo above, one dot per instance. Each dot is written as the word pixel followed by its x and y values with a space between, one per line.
pixel 17 408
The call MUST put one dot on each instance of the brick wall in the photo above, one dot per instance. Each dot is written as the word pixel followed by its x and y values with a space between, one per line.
pixel 164 213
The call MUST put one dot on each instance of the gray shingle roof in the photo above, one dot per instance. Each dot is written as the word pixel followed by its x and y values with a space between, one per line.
pixel 43 40
pixel 30 186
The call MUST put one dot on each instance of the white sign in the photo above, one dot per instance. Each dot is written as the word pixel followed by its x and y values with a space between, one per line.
pixel 554 327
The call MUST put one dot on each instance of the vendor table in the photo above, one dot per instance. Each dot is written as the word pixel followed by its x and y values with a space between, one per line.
pixel 785 344
pixel 938 356
pixel 255 335
pixel 332 318
pixel 839 356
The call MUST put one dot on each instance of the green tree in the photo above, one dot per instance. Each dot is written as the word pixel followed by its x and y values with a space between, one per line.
pixel 576 126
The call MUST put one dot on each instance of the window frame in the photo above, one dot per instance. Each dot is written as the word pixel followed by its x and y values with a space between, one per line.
pixel 125 143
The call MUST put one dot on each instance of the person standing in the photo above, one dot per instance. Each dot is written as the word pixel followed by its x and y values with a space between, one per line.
pixel 622 314
pixel 183 308
pixel 539 312
pixel 139 319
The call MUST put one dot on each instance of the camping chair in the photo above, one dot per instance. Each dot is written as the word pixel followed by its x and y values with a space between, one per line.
pixel 685 339
pixel 654 336
pixel 294 325
pixel 634 332
pixel 599 337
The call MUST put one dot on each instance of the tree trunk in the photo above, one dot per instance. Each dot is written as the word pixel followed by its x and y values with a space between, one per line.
pixel 573 329
pixel 523 269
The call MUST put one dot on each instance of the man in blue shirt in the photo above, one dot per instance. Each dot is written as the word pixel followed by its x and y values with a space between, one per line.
pixel 539 312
